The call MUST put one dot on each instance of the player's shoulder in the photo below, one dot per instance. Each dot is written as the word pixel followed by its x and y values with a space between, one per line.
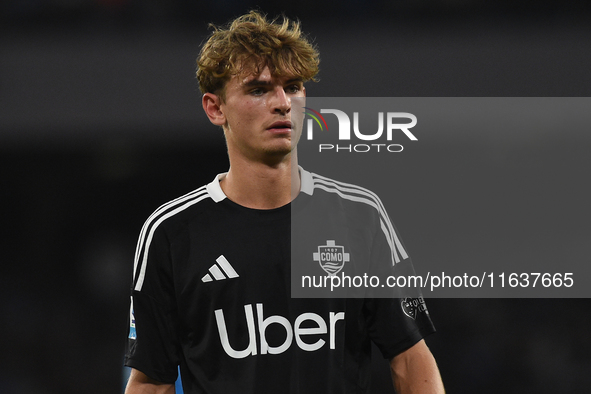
pixel 320 186
pixel 188 205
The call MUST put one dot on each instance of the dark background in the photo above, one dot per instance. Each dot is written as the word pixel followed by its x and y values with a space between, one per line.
pixel 100 122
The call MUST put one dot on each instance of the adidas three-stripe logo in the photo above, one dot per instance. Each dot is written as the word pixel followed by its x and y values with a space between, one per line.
pixel 217 273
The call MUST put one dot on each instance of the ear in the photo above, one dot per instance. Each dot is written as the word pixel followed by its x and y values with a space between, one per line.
pixel 212 107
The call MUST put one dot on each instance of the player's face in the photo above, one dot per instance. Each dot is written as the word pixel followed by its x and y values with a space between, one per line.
pixel 258 115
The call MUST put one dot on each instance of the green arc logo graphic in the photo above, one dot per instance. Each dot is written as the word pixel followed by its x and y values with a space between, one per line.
pixel 315 115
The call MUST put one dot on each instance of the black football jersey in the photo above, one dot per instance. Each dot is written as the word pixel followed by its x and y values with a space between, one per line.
pixel 212 293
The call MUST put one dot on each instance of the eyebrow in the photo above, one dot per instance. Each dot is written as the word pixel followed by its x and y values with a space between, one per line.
pixel 258 82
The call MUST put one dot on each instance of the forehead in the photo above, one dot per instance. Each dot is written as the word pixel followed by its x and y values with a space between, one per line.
pixel 252 74
pixel 263 71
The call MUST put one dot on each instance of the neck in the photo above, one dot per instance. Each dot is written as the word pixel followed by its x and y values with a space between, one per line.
pixel 260 185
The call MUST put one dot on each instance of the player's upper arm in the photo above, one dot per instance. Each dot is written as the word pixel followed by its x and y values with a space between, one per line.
pixel 139 383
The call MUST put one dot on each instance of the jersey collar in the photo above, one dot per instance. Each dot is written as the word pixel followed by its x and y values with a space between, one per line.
pixel 217 194
pixel 306 182
pixel 215 190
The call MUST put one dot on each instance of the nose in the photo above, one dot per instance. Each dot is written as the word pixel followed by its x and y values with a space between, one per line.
pixel 281 101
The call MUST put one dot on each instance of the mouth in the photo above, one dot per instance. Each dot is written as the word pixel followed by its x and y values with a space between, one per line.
pixel 280 127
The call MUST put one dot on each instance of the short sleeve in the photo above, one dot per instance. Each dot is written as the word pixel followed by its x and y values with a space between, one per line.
pixel 153 346
pixel 396 324
pixel 398 318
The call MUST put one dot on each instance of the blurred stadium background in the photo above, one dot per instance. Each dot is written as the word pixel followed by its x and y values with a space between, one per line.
pixel 100 122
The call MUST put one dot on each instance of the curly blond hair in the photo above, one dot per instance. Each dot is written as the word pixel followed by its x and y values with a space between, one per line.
pixel 250 43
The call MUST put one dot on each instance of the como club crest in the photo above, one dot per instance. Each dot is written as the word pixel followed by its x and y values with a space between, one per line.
pixel 331 257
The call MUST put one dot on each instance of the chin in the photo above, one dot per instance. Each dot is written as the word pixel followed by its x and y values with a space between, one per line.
pixel 280 149
pixel 278 153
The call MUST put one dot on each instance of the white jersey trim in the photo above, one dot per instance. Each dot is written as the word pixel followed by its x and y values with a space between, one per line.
pixel 147 233
pixel 306 182
pixel 215 190
pixel 362 195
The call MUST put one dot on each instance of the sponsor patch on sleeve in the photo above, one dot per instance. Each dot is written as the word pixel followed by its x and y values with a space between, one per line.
pixel 413 306
pixel 132 333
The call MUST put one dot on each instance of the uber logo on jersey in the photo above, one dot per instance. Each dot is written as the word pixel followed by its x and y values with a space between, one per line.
pixel 331 257
pixel 299 330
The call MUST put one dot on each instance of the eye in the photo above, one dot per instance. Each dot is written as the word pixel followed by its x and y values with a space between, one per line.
pixel 256 91
pixel 292 89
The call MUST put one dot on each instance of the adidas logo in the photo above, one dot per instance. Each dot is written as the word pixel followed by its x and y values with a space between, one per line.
pixel 217 273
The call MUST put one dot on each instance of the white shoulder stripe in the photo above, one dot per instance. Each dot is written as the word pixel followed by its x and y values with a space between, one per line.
pixel 395 258
pixel 147 233
pixel 359 194
pixel 158 212
pixel 360 190
pixel 352 188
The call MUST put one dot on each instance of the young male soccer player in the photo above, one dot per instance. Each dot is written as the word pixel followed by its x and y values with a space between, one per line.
pixel 211 288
